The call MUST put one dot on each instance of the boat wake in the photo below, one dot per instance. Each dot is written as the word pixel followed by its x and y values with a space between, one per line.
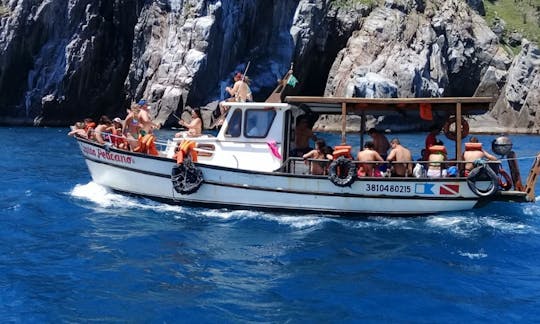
pixel 105 198
pixel 464 224
pixel 297 222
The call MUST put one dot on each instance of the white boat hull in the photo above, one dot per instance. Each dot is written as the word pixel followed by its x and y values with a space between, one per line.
pixel 230 187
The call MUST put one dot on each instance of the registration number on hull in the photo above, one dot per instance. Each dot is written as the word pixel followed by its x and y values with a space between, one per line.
pixel 370 187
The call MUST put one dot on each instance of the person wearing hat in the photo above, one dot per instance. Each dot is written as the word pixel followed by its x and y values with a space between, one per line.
pixel 145 120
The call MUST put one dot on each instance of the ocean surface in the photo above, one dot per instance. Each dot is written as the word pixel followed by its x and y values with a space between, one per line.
pixel 71 251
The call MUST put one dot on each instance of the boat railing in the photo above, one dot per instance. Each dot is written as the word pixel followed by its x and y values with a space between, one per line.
pixel 298 165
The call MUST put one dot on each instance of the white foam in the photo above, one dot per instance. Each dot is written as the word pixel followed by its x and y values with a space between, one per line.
pixel 105 198
pixel 507 227
pixel 301 222
pixel 228 214
pixel 474 256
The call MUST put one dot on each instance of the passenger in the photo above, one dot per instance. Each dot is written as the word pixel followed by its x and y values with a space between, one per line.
pixel 118 138
pixel 240 92
pixel 132 126
pixel 368 154
pixel 302 134
pixel 380 142
pixel 436 156
pixel 473 152
pixel 431 139
pixel 194 127
pixel 89 126
pixel 147 125
pixel 400 154
pixel 318 167
pixel 79 130
pixel 103 130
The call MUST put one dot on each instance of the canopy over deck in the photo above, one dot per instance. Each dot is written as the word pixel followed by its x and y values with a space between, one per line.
pixel 392 106
pixel 414 108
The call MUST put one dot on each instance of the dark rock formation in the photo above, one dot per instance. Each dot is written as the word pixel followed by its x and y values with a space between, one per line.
pixel 64 60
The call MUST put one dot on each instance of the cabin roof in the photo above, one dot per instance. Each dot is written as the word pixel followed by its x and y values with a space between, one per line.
pixel 391 106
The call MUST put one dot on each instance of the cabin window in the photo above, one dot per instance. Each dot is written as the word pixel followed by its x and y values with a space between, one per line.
pixel 258 122
pixel 235 123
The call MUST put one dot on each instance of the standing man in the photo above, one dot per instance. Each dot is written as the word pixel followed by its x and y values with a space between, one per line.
pixel 400 154
pixel 380 142
pixel 302 134
pixel 145 120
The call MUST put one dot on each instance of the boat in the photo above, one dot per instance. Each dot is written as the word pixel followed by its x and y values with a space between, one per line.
pixel 248 164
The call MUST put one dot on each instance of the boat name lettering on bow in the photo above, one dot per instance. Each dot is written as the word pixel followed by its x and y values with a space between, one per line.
pixel 388 188
pixel 102 154
pixel 89 151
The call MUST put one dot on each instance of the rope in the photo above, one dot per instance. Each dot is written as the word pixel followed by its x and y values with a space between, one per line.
pixel 520 158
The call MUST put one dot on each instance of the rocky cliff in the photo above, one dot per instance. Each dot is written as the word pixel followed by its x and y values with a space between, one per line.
pixel 62 60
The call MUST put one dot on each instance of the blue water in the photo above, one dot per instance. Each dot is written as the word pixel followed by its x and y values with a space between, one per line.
pixel 71 251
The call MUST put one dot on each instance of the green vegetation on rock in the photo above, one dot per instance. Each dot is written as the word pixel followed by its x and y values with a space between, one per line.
pixel 522 16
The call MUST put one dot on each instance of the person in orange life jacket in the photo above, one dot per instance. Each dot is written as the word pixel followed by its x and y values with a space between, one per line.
pixel 474 151
pixel 431 139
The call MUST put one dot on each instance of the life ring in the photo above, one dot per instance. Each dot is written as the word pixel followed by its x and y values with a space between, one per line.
pixel 452 134
pixel 507 183
pixel 342 172
pixel 483 173
pixel 186 177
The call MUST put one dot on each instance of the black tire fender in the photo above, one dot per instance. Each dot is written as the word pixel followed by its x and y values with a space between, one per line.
pixel 186 178
pixel 483 173
pixel 336 174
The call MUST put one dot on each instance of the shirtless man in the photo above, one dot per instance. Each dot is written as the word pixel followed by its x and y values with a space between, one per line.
pixel 380 142
pixel 147 125
pixel 368 154
pixel 472 155
pixel 302 134
pixel 400 154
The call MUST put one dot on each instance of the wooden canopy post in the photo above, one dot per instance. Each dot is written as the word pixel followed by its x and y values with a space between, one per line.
pixel 458 131
pixel 343 123
pixel 362 130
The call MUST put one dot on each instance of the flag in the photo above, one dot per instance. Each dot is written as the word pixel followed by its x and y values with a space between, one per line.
pixel 425 111
pixel 292 81
pixel 449 189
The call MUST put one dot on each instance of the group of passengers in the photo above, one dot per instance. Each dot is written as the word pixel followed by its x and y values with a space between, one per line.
pixel 381 157
pixel 123 134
